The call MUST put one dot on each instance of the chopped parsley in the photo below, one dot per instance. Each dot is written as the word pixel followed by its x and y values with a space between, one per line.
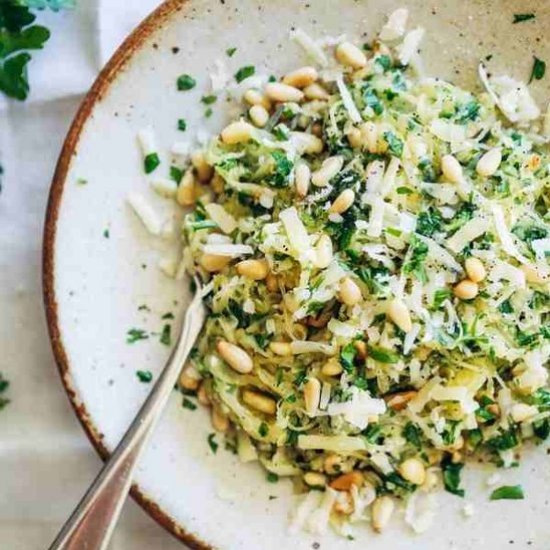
pixel 166 335
pixel 521 17
pixel 415 265
pixel 144 376
pixel 176 174
pixel 182 124
pixel 538 70
pixel 244 72
pixel 272 477
pixel 151 162
pixel 208 112
pixel 263 430
pixel 4 385
pixel 185 82
pixel 230 52
pixel 383 355
pixel 209 99
pixel 508 492
pixel 451 477
pixel 188 404
pixel 136 334
pixel 212 443
pixel 395 145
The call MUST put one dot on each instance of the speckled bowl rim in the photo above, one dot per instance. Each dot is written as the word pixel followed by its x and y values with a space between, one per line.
pixel 106 77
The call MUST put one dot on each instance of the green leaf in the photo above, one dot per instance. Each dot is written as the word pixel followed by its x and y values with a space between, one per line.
pixel 244 72
pixel 382 355
pixel 538 70
pixel 418 254
pixel 182 125
pixel 395 145
pixel 283 169
pixel 263 430
pixel 151 162
pixel 440 296
pixel 347 357
pixel 209 99
pixel 13 17
pixel 188 404
pixel 136 334
pixel 144 376
pixel 166 335
pixel 451 477
pixel 383 61
pixel 13 76
pixel 230 52
pixel 413 434
pixel 272 477
pixel 212 443
pixel 429 222
pixel 185 82
pixel 32 38
pixel 520 17
pixel 508 492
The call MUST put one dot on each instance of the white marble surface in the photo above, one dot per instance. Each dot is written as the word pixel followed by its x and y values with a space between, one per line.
pixel 46 461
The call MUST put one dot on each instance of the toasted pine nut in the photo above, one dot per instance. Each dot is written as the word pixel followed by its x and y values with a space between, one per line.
pixel 258 115
pixel 493 408
pixel 346 481
pixel 332 368
pixel 533 275
pixel 237 132
pixel 349 292
pixel 202 396
pixel 189 379
pixel 255 97
pixel 235 357
pixel 323 251
pixel 260 402
pixel 361 348
pixel 330 167
pixel 399 313
pixel 256 270
pixel 350 55
pixel 382 511
pixel 302 77
pixel 271 282
pixel 185 195
pixel 413 470
pixel 315 479
pixel 355 138
pixel 302 179
pixel 451 168
pixel 312 394
pixel 369 131
pixel 475 269
pixel 342 202
pixel 306 143
pixel 220 422
pixel 213 262
pixel 466 290
pixel 316 92
pixel 398 401
pixel 282 93
pixel 204 170
pixel 521 412
pixel 217 183
pixel 280 348
pixel 488 164
pixel 332 464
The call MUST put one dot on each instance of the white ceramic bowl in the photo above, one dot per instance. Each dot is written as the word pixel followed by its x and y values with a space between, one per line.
pixel 94 285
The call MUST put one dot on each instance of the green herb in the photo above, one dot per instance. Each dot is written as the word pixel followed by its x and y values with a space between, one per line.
pixel 230 52
pixel 404 191
pixel 347 357
pixel 143 307
pixel 81 181
pixel 176 174
pixel 504 441
pixel 136 334
pixel 508 492
pixel 4 385
pixel 440 296
pixel 538 70
pixel 212 443
pixel 182 124
pixel 429 222
pixel 506 307
pixel 418 253
pixel 188 404
pixel 263 430
pixel 413 434
pixel 395 145
pixel 467 112
pixel 383 61
pixel 244 72
pixel 520 17
pixel 106 233
pixel 272 477
pixel 168 315
pixel 209 99
pixel 383 355
pixel 451 477
pixel 151 162
pixel 371 99
pixel 281 132
pixel 292 437
pixel 185 82
pixel 144 376
pixel 208 112
pixel 283 169
pixel 166 335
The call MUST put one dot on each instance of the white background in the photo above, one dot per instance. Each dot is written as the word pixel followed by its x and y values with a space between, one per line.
pixel 46 461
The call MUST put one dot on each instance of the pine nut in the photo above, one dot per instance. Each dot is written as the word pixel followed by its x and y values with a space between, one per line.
pixel 302 77
pixel 355 138
pixel 332 464
pixel 413 470
pixel 255 97
pixel 330 167
pixel 466 290
pixel 398 401
pixel 260 402
pixel 361 348
pixel 399 313
pixel 256 270
pixel 369 131
pixel 332 368
pixel 235 357
pixel 382 511
pixel 346 481
pixel 204 170
pixel 302 179
pixel 315 479
pixel 344 504
pixel 280 348
pixel 312 394
pixel 202 396
pixel 317 129
pixel 308 144
pixel 451 168
pixel 220 422
pixel 282 93
pixel 271 283
pixel 237 132
pixel 323 251
pixel 258 115
pixel 349 292
pixel 316 92
pixel 350 55
pixel 213 262
pixel 521 412
pixel 475 269
pixel 488 164
pixel 217 184
pixel 185 195
pixel 189 379
pixel 342 202
pixel 533 275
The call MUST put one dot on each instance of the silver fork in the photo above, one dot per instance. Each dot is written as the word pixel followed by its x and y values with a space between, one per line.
pixel 92 523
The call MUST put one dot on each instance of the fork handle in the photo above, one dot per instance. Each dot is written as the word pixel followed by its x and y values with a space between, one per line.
pixel 92 523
